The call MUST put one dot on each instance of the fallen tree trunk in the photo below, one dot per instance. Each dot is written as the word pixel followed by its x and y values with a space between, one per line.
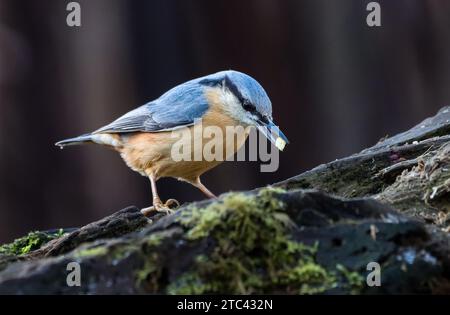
pixel 317 232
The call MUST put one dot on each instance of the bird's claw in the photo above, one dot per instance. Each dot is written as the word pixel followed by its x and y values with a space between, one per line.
pixel 155 209
pixel 166 208
pixel 172 204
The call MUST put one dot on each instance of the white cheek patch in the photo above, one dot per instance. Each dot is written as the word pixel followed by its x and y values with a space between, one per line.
pixel 233 107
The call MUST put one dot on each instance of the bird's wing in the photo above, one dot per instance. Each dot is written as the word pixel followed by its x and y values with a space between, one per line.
pixel 176 108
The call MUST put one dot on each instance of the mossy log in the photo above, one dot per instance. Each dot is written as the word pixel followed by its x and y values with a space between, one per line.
pixel 314 233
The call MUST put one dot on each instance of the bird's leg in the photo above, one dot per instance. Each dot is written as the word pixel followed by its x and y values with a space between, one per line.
pixel 203 188
pixel 156 200
pixel 158 206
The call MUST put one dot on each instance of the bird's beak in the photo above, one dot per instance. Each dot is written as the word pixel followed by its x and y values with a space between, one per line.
pixel 273 133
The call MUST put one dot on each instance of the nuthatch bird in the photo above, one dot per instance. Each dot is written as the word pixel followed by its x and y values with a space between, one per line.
pixel 143 135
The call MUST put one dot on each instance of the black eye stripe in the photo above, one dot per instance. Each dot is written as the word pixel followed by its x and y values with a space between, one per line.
pixel 233 89
pixel 249 106
pixel 225 81
pixel 264 119
pixel 246 104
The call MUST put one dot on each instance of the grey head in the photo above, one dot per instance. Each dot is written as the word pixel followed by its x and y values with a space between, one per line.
pixel 250 95
pixel 247 101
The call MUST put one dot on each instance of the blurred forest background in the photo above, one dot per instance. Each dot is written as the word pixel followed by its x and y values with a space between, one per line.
pixel 337 86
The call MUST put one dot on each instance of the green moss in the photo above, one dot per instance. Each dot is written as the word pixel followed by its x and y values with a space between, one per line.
pixel 121 252
pixel 91 252
pixel 253 252
pixel 148 269
pixel 190 283
pixel 147 277
pixel 353 280
pixel 156 238
pixel 149 274
pixel 313 278
pixel 28 243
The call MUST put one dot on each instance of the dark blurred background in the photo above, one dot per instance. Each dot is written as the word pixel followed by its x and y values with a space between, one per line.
pixel 337 86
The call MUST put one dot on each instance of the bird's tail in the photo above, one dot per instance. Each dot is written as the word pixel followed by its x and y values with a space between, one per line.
pixel 75 141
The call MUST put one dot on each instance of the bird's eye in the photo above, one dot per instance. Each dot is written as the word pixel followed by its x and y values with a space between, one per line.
pixel 248 106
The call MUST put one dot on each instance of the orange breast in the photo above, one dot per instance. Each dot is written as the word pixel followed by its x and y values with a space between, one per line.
pixel 151 153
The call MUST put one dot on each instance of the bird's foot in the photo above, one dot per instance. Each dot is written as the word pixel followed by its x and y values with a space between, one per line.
pixel 166 208
pixel 172 204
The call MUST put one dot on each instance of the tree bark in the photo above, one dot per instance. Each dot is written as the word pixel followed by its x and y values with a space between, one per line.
pixel 317 232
